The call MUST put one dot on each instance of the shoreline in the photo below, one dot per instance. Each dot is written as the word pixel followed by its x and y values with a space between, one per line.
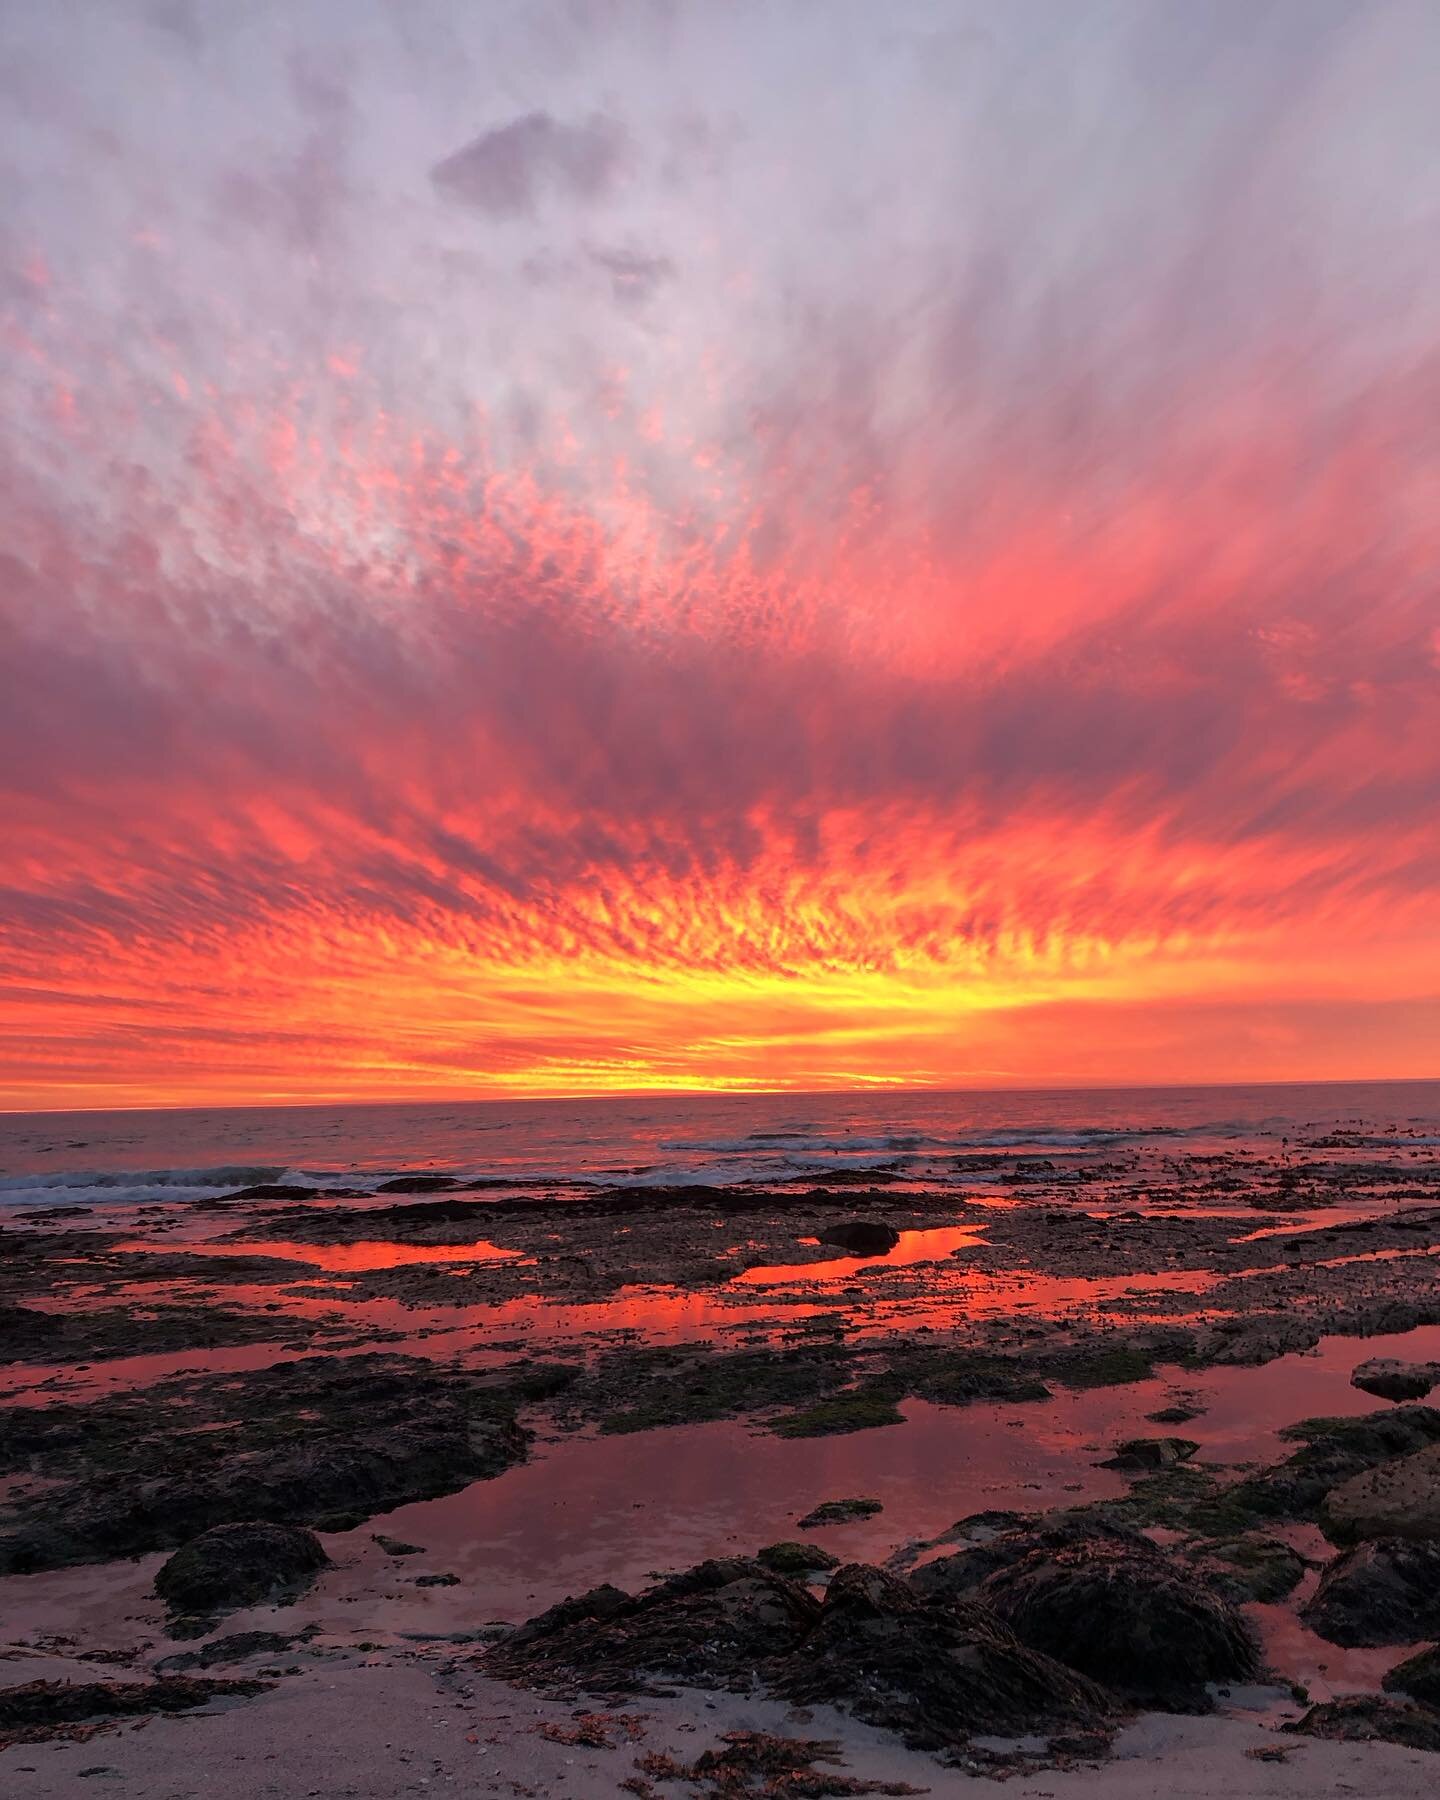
pixel 550 1394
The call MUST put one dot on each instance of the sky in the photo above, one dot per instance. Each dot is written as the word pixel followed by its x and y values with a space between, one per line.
pixel 564 545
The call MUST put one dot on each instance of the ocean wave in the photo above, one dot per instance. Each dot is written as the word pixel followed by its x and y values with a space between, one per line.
pixel 78 1187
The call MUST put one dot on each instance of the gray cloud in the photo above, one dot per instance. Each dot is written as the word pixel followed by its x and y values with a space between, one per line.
pixel 508 172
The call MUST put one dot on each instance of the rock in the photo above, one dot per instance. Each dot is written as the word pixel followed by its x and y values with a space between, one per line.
pixel 1151 1453
pixel 1332 1451
pixel 994 1543
pixel 234 1648
pixel 396 1546
pixel 861 1237
pixel 792 1558
pixel 322 1441
pixel 839 1512
pixel 1248 1341
pixel 1366 1718
pixel 1392 1379
pixel 1382 1592
pixel 1400 1498
pixel 240 1565
pixel 712 1626
pixel 1123 1612
pixel 41 1709
pixel 936 1672
pixel 1418 1677
pixel 445 1580
pixel 1248 1568
pixel 1174 1415
pixel 418 1184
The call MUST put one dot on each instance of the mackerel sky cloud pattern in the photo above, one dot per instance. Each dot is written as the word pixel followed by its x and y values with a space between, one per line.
pixel 553 546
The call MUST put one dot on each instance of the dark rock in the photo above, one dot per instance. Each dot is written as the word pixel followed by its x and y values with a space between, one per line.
pixel 234 1648
pixel 796 1559
pixel 936 1673
pixel 857 1409
pixel 418 1184
pixel 1333 1451
pixel 445 1580
pixel 319 1441
pixel 596 1604
pixel 1248 1568
pixel 273 1190
pixel 1418 1677
pixel 1395 1380
pixel 839 1512
pixel 396 1546
pixel 713 1626
pixel 1174 1415
pixel 1119 1610
pixel 1383 1592
pixel 684 1384
pixel 1400 1498
pixel 1366 1719
pixel 861 1237
pixel 40 1709
pixel 240 1565
pixel 1151 1453
pixel 999 1540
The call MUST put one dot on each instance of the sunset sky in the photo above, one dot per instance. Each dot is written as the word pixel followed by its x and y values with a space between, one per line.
pixel 619 544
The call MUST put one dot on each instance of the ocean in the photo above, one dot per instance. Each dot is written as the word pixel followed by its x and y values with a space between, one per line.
pixel 136 1156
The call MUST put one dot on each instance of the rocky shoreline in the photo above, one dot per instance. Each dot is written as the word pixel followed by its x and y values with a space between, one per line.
pixel 263 1364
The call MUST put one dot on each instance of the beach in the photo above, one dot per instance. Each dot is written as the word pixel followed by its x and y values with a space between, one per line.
pixel 810 1407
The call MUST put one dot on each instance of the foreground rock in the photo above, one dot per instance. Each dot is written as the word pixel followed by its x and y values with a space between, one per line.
pixel 1392 1379
pixel 1248 1568
pixel 861 1237
pixel 1107 1603
pixel 934 1672
pixel 240 1565
pixel 1367 1719
pixel 1333 1451
pixel 42 1709
pixel 1418 1677
pixel 712 1626
pixel 1386 1592
pixel 316 1441
pixel 1399 1499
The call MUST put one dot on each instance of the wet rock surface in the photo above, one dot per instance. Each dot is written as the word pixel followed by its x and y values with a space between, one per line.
pixel 240 1565
pixel 796 1559
pixel 935 1673
pixel 1385 1592
pixel 238 1646
pixel 1417 1678
pixel 713 1626
pixel 37 1710
pixel 1118 1609
pixel 860 1237
pixel 1366 1718
pixel 1401 1498
pixel 1332 1452
pixel 319 1441
pixel 1393 1379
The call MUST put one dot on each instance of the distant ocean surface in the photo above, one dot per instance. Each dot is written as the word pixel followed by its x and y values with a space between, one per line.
pixel 79 1157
